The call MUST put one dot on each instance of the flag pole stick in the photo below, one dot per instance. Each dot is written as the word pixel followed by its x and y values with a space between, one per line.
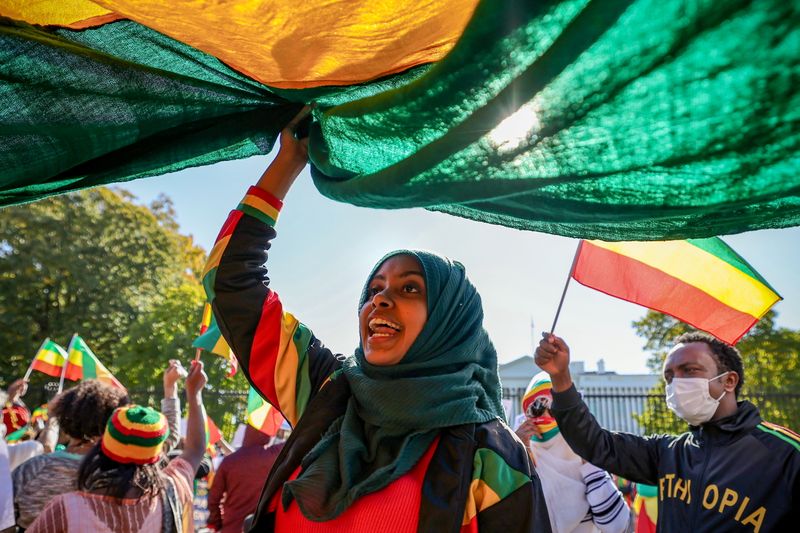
pixel 66 363
pixel 30 366
pixel 566 286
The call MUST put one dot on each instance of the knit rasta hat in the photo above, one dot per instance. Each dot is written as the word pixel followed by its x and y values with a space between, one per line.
pixel 539 387
pixel 135 434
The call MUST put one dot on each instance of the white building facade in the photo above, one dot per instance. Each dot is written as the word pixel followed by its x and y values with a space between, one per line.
pixel 613 398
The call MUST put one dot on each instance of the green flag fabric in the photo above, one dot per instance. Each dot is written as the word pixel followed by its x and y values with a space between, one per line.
pixel 607 119
pixel 116 103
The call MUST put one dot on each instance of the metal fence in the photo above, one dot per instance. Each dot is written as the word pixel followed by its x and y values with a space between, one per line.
pixel 640 411
pixel 631 409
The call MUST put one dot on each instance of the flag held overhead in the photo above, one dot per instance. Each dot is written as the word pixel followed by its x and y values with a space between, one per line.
pixel 702 282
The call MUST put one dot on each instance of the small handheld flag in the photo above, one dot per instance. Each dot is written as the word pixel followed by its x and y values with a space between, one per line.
pixel 39 414
pixel 84 364
pixel 211 340
pixel 702 282
pixel 49 359
pixel 213 434
pixel 261 415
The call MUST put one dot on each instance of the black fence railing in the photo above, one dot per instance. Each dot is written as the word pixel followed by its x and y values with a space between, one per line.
pixel 633 409
pixel 642 412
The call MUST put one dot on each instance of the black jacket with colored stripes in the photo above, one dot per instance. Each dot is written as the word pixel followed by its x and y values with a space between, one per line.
pixel 734 474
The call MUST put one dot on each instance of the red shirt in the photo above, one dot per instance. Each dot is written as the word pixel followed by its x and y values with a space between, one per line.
pixel 240 478
pixel 394 508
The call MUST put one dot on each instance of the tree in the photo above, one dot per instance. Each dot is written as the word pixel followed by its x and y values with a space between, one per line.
pixel 166 332
pixel 771 357
pixel 118 273
pixel 92 262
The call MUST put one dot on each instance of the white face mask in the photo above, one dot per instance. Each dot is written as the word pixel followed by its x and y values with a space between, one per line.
pixel 690 399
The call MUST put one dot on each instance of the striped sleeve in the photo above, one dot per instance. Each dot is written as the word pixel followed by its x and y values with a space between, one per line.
pixel 785 434
pixel 505 493
pixel 278 354
pixel 608 510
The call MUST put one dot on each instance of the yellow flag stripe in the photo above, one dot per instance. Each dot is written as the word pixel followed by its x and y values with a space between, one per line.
pixel 50 357
pixel 291 44
pixel 75 14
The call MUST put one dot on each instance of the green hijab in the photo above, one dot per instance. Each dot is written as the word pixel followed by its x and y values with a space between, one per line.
pixel 448 377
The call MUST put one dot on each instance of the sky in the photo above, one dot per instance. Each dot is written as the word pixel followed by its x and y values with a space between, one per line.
pixel 325 249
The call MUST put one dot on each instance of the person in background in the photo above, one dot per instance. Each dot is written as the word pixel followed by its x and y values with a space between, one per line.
pixel 7 520
pixel 238 481
pixel 581 498
pixel 731 471
pixel 15 413
pixel 171 403
pixel 82 412
pixel 125 484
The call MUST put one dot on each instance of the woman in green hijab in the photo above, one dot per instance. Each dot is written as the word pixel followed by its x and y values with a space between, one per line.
pixel 405 435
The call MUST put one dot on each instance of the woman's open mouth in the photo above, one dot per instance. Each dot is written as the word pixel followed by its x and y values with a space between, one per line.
pixel 380 327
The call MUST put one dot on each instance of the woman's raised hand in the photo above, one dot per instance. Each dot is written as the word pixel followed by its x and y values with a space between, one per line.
pixel 291 159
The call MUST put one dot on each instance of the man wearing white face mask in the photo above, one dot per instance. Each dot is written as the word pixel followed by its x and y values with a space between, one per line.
pixel 731 472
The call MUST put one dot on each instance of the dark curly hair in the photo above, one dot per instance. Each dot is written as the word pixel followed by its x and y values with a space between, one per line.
pixel 83 410
pixel 727 357
pixel 99 474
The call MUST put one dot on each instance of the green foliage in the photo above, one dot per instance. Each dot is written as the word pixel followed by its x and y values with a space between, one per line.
pixel 163 332
pixel 92 262
pixel 771 356
pixel 166 332
pixel 118 273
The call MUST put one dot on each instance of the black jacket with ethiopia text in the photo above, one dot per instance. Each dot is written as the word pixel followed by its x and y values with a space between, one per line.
pixel 738 473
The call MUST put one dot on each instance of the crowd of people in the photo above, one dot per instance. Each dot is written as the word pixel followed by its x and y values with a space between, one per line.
pixel 407 433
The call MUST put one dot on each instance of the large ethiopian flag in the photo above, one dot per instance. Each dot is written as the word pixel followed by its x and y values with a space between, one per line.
pixel 702 282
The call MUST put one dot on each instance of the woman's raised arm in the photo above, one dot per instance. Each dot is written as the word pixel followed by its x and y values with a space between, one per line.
pixel 279 355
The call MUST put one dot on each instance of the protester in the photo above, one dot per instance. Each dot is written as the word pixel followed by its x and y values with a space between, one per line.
pixel 15 413
pixel 171 403
pixel 580 497
pixel 730 471
pixel 123 485
pixel 238 481
pixel 7 520
pixel 405 435
pixel 82 412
